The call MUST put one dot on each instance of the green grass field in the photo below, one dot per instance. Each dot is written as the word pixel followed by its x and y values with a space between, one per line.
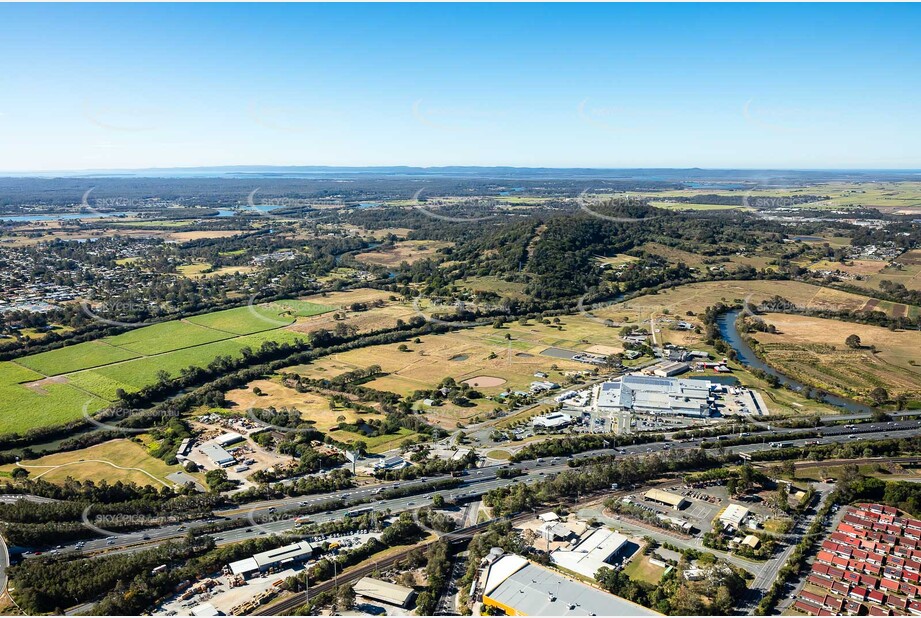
pixel 91 373
pixel 640 569
pixel 136 374
pixel 76 357
pixel 247 320
pixel 23 408
pixel 165 337
pixel 11 373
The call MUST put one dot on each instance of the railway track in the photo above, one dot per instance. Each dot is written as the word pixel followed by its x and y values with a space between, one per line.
pixel 840 462
pixel 294 601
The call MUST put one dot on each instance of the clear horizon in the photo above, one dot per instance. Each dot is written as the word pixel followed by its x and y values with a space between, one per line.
pixel 622 86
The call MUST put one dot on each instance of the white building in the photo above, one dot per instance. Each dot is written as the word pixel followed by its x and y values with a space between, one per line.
pixel 391 463
pixel 263 561
pixel 555 420
pixel 520 588
pixel 653 395
pixel 386 592
pixel 667 369
pixel 586 556
pixel 217 454
pixel 734 515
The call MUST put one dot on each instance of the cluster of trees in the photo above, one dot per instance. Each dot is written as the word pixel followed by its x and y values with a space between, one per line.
pixel 116 507
pixel 53 585
pixel 579 443
pixel 436 521
pixel 460 394
pixel 583 481
pixel 714 595
pixel 429 466
pixel 437 570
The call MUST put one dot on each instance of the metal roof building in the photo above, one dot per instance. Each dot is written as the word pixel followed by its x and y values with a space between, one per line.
pixel 386 592
pixel 651 395
pixel 263 561
pixel 734 515
pixel 206 609
pixel 588 555
pixel 217 454
pixel 520 588
pixel 673 500
pixel 555 420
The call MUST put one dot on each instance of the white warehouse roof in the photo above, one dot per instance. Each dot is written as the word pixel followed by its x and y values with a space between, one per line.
pixel 531 590
pixel 378 590
pixel 734 514
pixel 590 553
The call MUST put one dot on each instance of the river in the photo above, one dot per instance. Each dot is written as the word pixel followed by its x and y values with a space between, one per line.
pixel 745 355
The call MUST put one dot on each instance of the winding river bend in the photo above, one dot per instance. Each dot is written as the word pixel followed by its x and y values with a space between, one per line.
pixel 745 355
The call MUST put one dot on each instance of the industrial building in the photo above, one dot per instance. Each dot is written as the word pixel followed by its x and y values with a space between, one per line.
pixel 733 516
pixel 206 609
pixel 217 454
pixel 556 420
pixel 385 592
pixel 586 556
pixel 664 497
pixel 391 463
pixel 667 369
pixel 520 588
pixel 231 437
pixel 263 561
pixel 554 531
pixel 655 395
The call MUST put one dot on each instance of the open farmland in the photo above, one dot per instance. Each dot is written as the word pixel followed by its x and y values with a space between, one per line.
pixel 493 285
pixel 164 337
pixel 136 374
pixel 696 297
pixel 252 319
pixel 813 351
pixel 39 404
pixel 363 320
pixel 53 387
pixel 75 357
pixel 408 251
pixel 902 197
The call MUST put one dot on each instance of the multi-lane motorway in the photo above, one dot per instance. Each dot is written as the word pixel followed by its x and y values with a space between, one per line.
pixel 275 516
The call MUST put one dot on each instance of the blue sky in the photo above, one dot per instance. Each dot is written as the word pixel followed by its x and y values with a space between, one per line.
pixel 613 85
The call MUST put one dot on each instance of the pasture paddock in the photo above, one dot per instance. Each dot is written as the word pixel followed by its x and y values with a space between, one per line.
pixel 813 350
pixel 112 461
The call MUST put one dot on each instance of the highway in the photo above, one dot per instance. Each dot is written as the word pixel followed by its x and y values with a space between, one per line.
pixel 275 516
